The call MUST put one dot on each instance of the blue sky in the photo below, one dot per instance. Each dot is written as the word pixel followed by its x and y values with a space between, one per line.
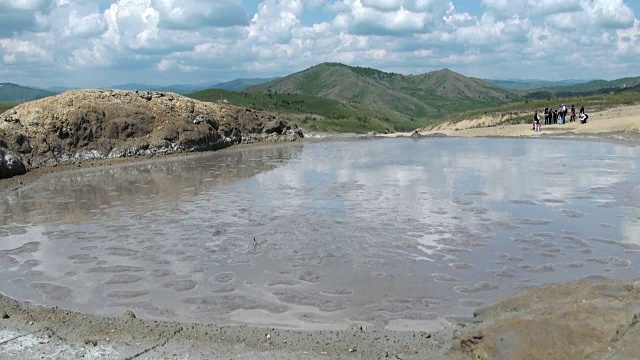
pixel 91 43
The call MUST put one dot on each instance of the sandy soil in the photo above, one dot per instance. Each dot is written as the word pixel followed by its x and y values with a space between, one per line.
pixel 614 123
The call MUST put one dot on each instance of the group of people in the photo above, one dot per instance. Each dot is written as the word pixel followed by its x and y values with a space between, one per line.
pixel 559 116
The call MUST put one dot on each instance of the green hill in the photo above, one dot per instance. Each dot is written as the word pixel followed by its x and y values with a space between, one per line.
pixel 596 85
pixel 313 112
pixel 533 84
pixel 241 84
pixel 6 106
pixel 425 96
pixel 12 93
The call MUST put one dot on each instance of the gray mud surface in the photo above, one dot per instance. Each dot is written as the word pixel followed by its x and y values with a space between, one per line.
pixel 578 320
pixel 31 332
pixel 404 239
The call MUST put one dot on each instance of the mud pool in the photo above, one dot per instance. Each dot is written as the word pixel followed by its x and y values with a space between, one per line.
pixel 395 232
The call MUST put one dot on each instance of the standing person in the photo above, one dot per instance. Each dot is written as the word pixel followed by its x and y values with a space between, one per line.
pixel 546 116
pixel 573 113
pixel 560 115
pixel 559 110
pixel 555 116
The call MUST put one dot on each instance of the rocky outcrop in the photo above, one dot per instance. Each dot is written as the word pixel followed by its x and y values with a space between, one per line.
pixel 98 124
pixel 417 135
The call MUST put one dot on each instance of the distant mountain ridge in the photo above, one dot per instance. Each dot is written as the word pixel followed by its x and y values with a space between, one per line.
pixel 14 93
pixel 242 84
pixel 531 84
pixel 595 87
pixel 428 95
pixel 233 85
pixel 623 83
pixel 178 88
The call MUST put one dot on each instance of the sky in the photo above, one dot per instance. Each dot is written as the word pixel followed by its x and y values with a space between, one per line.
pixel 97 43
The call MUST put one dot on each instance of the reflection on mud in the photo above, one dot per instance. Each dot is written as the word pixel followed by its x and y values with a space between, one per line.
pixel 81 196
pixel 397 233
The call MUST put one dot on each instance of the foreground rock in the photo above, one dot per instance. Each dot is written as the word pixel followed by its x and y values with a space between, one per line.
pixel 10 164
pixel 101 124
pixel 579 320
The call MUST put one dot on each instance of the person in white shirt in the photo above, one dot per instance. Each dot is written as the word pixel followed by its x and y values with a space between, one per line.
pixel 583 118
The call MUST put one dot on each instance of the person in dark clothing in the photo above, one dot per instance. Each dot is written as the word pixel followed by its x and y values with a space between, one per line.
pixel 573 114
pixel 546 116
pixel 555 116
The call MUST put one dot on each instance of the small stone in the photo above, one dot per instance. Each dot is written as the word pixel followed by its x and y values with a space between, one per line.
pixel 4 315
pixel 129 314
pixel 91 342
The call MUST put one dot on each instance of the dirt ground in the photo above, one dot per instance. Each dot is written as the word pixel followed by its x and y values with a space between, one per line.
pixel 612 124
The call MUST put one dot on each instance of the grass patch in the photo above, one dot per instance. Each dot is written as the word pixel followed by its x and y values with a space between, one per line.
pixel 281 103
pixel 316 113
pixel 358 125
pixel 6 106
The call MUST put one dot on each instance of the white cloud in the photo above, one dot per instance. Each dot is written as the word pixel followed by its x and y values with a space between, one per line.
pixel 392 17
pixel 629 39
pixel 382 5
pixel 194 14
pixel 27 5
pixel 275 21
pixel 131 24
pixel 460 20
pixel 609 13
pixel 371 21
pixel 14 50
pixel 84 26
pixel 166 65
pixel 192 41
pixel 509 8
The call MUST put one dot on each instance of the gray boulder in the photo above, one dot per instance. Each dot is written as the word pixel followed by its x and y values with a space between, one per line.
pixel 10 164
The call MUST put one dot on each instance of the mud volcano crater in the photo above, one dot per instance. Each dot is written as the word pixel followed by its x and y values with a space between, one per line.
pixel 391 233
